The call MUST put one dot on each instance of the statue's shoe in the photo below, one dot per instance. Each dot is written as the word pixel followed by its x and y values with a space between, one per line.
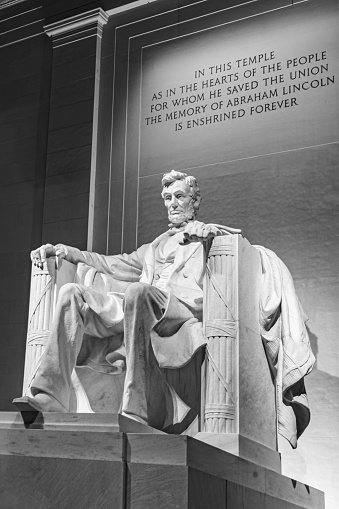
pixel 42 402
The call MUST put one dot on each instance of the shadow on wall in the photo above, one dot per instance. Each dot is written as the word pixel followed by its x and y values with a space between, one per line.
pixel 316 460
pixel 323 394
pixel 314 345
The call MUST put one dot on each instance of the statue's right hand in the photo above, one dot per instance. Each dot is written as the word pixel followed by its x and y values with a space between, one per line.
pixel 38 256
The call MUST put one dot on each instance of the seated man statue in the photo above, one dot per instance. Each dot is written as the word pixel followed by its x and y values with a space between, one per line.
pixel 164 295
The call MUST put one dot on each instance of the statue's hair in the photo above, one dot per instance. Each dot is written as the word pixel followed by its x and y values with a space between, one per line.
pixel 173 175
pixel 169 178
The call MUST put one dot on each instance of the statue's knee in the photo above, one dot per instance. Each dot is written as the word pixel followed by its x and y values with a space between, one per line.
pixel 68 292
pixel 136 292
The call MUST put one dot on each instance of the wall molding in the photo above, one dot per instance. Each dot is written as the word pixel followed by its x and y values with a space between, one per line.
pixel 77 27
pixel 9 3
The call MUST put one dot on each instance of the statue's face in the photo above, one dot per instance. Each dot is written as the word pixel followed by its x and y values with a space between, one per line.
pixel 179 202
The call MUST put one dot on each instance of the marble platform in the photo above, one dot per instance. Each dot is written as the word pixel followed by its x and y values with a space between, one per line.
pixel 98 461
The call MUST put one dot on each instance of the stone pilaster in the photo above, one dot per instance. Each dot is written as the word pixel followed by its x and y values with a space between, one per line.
pixel 77 27
pixel 73 127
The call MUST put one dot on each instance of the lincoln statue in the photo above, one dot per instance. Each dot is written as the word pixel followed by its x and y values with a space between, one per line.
pixel 163 297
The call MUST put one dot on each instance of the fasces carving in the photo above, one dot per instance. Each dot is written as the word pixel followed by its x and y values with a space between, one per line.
pixel 39 319
pixel 220 329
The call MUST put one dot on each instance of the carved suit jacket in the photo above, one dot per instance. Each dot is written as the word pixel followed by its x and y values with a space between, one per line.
pixel 185 279
pixel 185 282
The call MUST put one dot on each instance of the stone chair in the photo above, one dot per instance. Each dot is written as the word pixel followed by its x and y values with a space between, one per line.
pixel 227 385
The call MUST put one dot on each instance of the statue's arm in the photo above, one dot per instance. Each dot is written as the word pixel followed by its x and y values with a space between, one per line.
pixel 126 267
pixel 196 231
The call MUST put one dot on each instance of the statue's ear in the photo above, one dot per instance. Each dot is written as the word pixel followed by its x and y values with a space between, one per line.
pixel 197 202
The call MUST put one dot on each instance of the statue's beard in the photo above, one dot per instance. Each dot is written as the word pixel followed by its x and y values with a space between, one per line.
pixel 179 215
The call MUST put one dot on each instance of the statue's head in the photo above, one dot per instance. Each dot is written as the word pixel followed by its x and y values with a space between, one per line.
pixel 181 195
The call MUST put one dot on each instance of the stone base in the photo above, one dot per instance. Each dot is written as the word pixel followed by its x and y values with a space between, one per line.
pixel 83 461
pixel 113 423
pixel 244 448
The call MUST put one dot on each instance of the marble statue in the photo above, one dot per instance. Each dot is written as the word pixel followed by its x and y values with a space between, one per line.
pixel 152 310
pixel 164 297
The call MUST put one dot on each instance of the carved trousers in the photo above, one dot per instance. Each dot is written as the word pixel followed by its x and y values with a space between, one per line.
pixel 82 310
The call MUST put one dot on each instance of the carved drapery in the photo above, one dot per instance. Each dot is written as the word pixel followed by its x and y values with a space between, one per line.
pixel 220 328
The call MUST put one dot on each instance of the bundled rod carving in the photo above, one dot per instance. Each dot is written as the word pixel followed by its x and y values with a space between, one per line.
pixel 220 330
pixel 39 318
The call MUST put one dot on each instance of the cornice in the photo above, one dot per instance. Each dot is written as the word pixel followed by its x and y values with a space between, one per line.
pixel 9 3
pixel 77 27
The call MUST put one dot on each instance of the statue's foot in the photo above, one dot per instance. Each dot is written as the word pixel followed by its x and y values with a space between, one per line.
pixel 42 402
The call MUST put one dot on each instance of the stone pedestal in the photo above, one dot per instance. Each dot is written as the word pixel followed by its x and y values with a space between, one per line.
pixel 91 460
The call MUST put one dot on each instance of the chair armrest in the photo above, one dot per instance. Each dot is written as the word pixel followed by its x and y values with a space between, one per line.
pixel 45 286
pixel 220 329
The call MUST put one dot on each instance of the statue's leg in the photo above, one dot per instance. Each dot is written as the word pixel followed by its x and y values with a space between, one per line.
pixel 144 307
pixel 77 310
